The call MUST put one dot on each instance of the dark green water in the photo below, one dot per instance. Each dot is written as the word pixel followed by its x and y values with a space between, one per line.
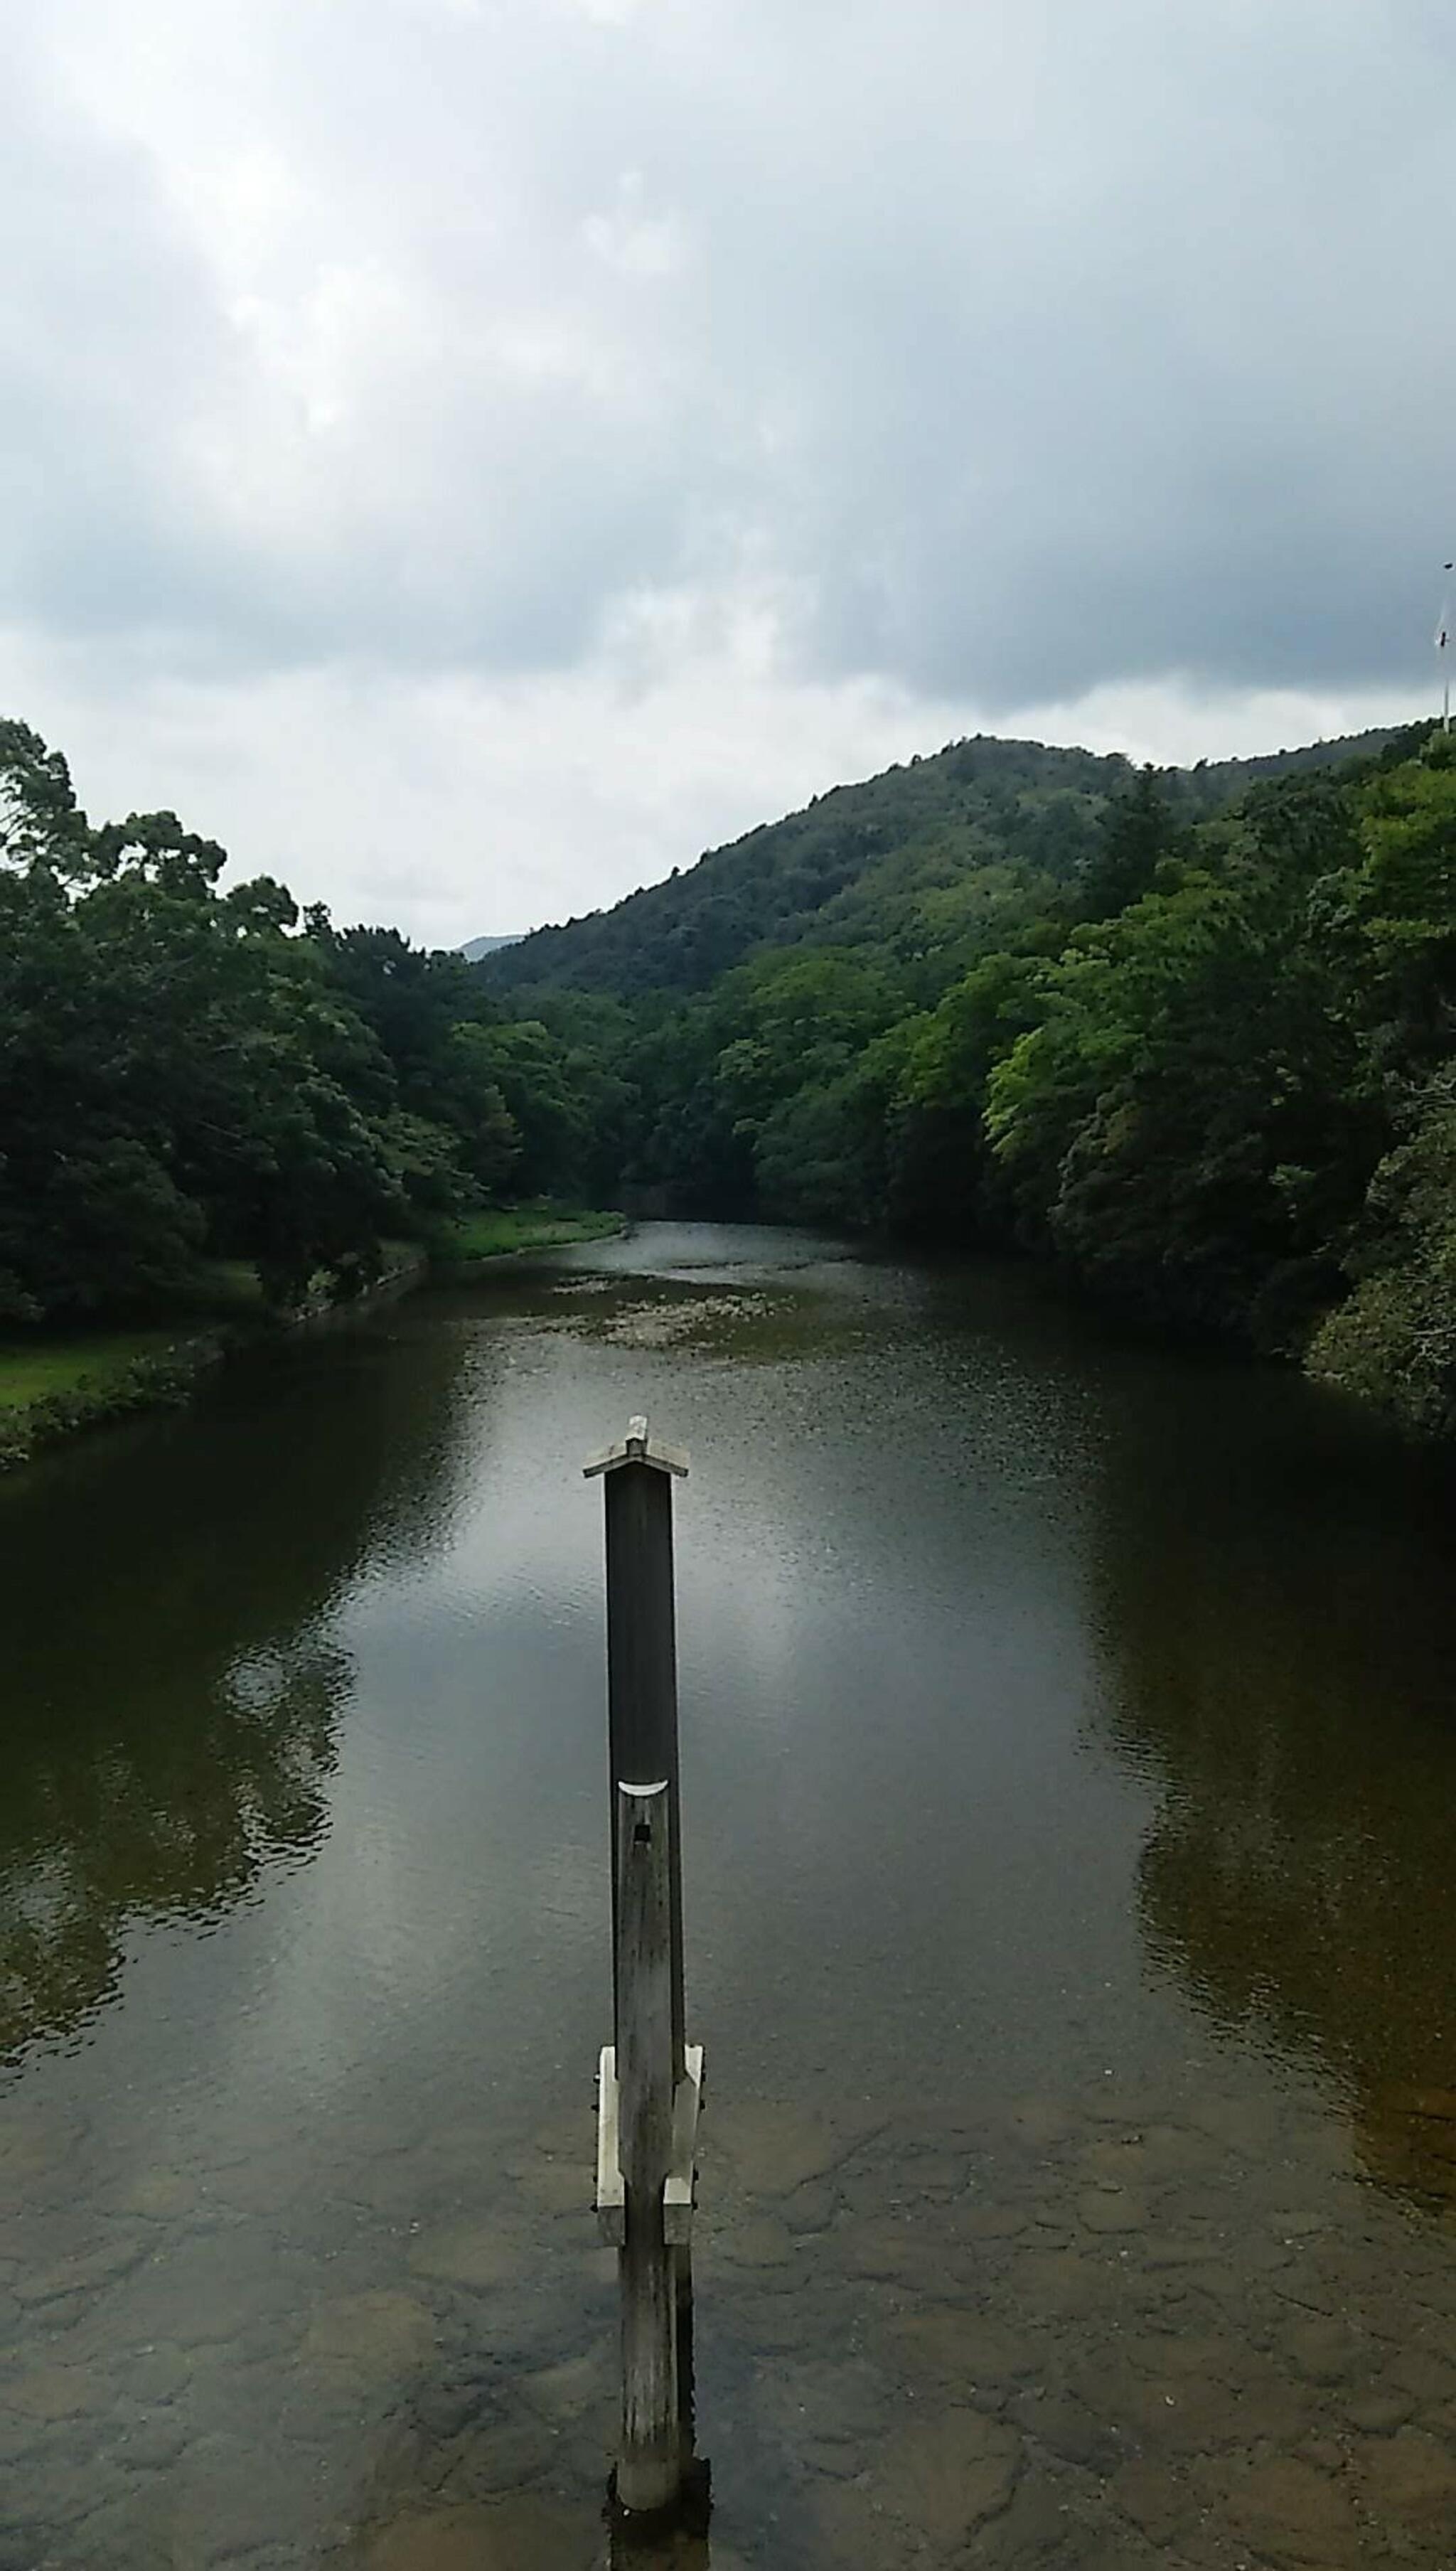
pixel 1069 1774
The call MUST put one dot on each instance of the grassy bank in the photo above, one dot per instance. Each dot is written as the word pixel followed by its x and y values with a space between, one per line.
pixel 506 1229
pixel 54 1383
pixel 64 1368
pixel 51 1387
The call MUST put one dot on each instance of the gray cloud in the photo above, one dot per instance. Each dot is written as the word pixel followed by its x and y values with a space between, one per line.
pixel 991 354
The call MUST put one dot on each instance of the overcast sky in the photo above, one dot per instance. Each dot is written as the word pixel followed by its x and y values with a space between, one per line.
pixel 471 455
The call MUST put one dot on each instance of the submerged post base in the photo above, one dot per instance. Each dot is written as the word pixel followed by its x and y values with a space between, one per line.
pixel 638 2531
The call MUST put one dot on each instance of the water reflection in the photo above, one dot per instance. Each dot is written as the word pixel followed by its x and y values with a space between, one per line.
pixel 1022 1672
pixel 135 1823
pixel 170 1677
pixel 1274 1596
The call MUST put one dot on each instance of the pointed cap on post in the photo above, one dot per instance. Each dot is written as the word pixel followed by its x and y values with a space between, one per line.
pixel 637 1448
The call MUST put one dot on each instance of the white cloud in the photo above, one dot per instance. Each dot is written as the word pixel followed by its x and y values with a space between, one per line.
pixel 456 804
pixel 631 240
pixel 570 430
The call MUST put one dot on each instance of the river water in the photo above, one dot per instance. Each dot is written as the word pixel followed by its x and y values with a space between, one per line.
pixel 1068 1772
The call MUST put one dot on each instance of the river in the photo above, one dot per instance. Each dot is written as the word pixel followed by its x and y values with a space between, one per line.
pixel 1068 1772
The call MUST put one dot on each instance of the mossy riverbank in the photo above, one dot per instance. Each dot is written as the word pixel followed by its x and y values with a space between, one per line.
pixel 52 1391
pixel 505 1231
pixel 56 1383
pixel 53 1386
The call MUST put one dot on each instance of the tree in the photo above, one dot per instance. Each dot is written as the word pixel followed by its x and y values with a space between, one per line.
pixel 1138 836
pixel 40 821
pixel 943 1181
pixel 1188 1123
pixel 183 1074
pixel 1394 1340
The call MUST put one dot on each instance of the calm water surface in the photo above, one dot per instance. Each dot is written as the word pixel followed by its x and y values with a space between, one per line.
pixel 1069 1773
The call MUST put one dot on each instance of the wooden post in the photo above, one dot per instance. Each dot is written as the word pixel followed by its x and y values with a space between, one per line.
pixel 651 2079
pixel 648 2471
pixel 642 1651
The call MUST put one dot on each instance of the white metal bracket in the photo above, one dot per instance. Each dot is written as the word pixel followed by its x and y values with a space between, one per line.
pixel 678 2188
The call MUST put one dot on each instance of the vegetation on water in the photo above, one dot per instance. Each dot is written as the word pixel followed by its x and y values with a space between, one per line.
pixel 1188 1032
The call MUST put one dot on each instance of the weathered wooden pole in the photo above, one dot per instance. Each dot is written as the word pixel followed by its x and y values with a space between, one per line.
pixel 649 2469
pixel 649 2079
pixel 641 1649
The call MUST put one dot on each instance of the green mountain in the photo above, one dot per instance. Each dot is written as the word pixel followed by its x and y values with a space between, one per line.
pixel 1192 1034
pixel 922 861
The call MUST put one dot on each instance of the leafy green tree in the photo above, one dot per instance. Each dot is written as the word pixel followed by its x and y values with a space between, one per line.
pixel 181 1073
pixel 1394 1339
pixel 1402 896
pixel 531 1072
pixel 1139 834
pixel 802 1020
pixel 684 1142
pixel 942 1179
pixel 40 821
pixel 1186 1125
pixel 823 1153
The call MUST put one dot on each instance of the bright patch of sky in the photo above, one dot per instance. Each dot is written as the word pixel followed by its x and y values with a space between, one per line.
pixel 471 455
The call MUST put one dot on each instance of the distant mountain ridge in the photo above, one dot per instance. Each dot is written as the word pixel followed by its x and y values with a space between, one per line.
pixel 909 859
pixel 475 948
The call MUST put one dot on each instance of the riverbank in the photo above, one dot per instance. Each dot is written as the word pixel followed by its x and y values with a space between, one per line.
pixel 55 1387
pixel 509 1232
pixel 54 1391
pixel 54 1384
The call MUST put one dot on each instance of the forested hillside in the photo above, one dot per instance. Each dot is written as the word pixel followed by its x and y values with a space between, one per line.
pixel 1186 1034
pixel 916 861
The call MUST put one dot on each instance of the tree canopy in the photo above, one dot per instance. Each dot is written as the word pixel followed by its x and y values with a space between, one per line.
pixel 189 1071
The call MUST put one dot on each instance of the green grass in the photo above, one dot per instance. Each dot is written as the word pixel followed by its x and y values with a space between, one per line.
pixel 34 1370
pixel 55 1381
pixel 37 1365
pixel 504 1229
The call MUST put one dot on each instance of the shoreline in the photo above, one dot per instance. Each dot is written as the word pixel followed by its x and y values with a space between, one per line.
pixel 128 1376
pixel 536 1233
pixel 149 1367
pixel 112 1387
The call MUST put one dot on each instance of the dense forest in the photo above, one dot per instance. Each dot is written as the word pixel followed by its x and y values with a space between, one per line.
pixel 189 1074
pixel 1189 1033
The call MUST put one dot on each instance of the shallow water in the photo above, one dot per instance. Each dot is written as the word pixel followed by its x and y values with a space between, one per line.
pixel 1069 1758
